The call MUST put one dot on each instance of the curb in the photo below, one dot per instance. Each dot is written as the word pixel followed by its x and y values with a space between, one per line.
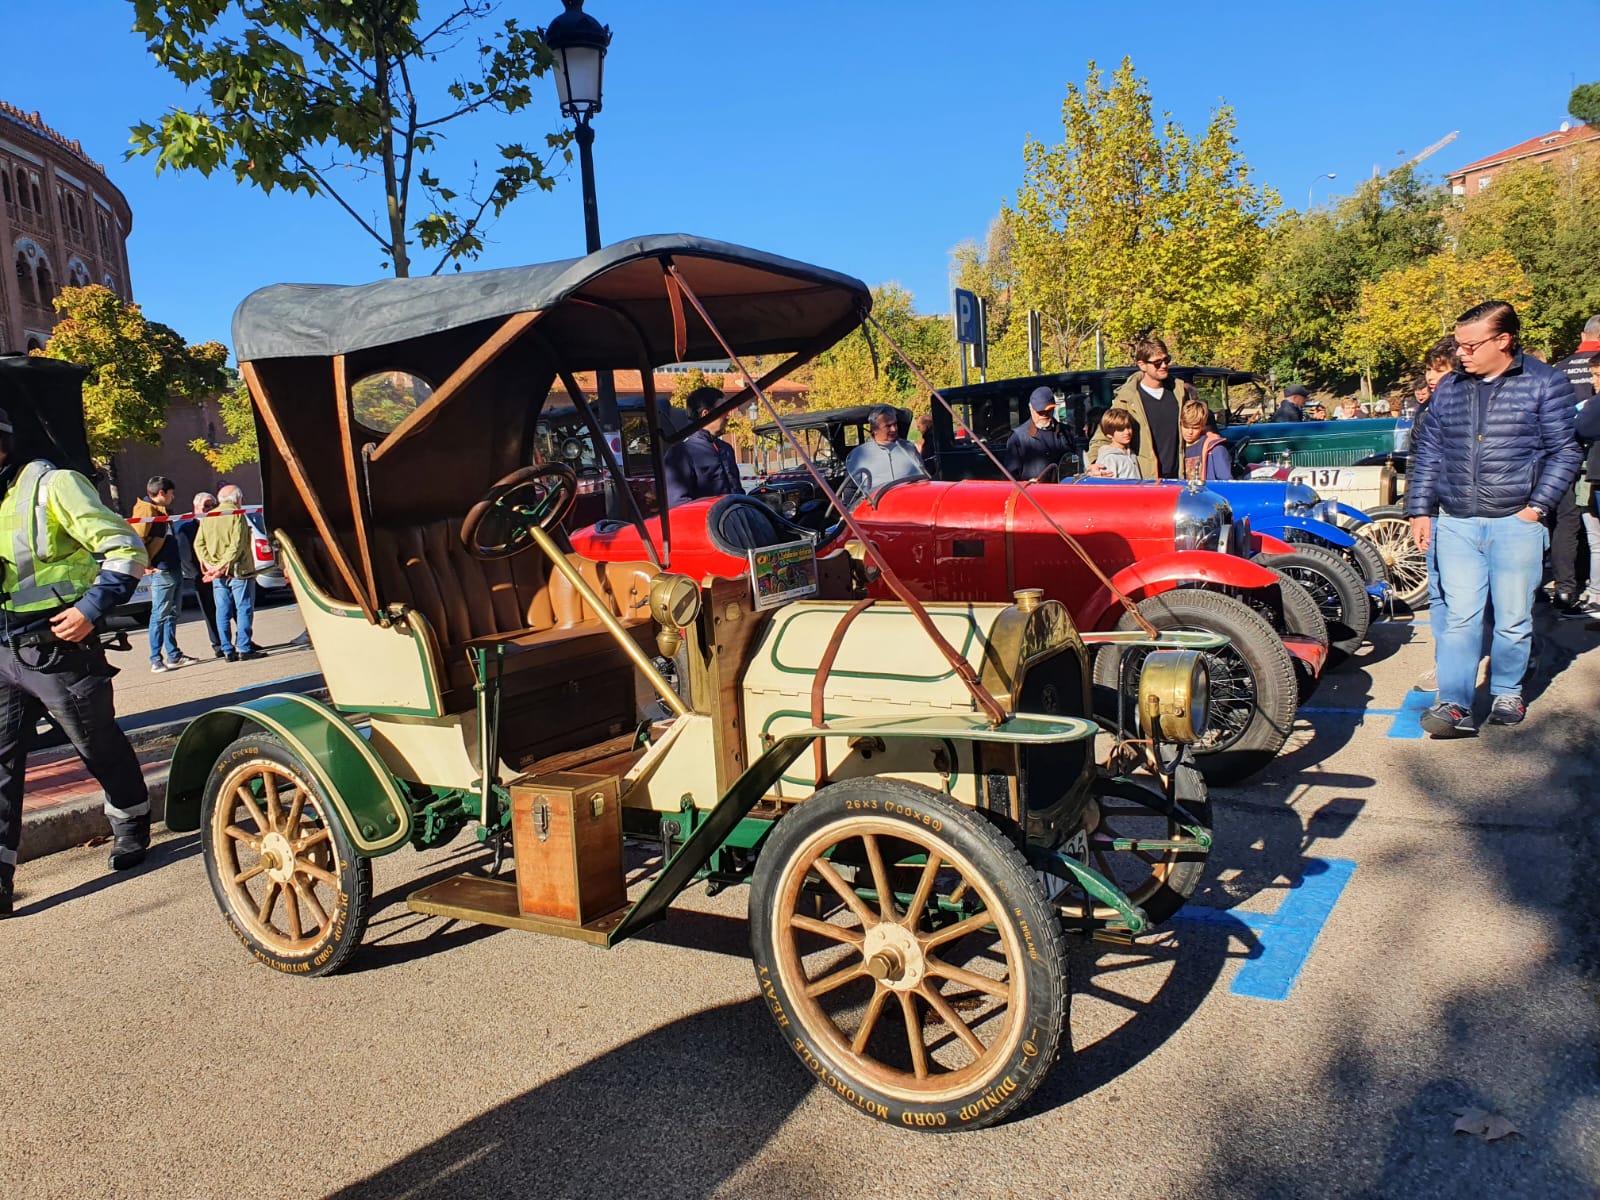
pixel 63 826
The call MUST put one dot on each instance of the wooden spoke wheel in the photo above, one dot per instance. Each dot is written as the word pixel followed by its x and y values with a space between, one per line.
pixel 534 497
pixel 905 948
pixel 1389 532
pixel 283 870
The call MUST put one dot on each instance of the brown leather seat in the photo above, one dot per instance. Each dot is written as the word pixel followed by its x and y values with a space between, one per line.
pixel 471 601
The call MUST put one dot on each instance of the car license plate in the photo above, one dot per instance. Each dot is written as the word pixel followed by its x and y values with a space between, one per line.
pixel 1329 478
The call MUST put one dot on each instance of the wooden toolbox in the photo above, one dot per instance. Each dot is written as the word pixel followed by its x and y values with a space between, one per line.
pixel 566 829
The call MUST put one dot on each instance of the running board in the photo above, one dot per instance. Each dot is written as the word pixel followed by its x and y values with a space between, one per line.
pixel 488 901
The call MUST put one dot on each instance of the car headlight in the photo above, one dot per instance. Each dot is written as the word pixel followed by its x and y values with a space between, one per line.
pixel 1325 510
pixel 1199 519
pixel 1298 499
pixel 1173 690
pixel 791 505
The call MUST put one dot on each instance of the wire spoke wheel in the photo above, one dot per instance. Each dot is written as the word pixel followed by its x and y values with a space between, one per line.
pixel 1340 593
pixel 281 867
pixel 906 949
pixel 1406 563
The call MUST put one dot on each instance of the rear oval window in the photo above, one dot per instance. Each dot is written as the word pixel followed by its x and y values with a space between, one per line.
pixel 385 398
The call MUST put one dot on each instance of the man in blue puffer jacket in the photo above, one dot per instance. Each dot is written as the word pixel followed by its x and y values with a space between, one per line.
pixel 1492 460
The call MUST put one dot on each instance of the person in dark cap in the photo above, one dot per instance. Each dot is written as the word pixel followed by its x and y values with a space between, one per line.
pixel 1042 441
pixel 1293 406
pixel 703 463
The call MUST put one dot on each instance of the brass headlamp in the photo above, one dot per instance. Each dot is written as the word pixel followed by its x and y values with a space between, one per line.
pixel 1173 690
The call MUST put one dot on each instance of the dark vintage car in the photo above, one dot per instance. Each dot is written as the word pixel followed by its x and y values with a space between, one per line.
pixel 562 436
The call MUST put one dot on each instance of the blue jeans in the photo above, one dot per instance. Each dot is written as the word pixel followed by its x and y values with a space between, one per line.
pixel 1438 614
pixel 165 591
pixel 236 602
pixel 1482 559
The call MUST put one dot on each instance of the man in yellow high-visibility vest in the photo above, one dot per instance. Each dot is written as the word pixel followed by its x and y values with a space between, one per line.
pixel 68 560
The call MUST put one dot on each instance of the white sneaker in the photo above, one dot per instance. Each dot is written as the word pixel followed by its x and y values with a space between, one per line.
pixel 158 668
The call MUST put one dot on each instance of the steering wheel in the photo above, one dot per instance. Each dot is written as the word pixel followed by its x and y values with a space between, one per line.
pixel 534 497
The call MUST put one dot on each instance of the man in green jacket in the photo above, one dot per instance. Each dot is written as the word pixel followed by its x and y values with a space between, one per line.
pixel 68 560
pixel 223 546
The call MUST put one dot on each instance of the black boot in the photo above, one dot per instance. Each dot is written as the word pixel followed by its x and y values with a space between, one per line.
pixel 5 902
pixel 128 849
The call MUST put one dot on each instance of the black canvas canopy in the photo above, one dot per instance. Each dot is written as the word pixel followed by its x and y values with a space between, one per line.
pixel 762 302
pixel 44 399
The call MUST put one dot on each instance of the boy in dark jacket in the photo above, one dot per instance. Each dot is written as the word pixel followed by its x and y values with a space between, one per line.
pixel 1492 460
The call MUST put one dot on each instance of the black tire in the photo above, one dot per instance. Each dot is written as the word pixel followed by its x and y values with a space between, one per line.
pixel 1389 532
pixel 1254 694
pixel 324 879
pixel 1159 885
pixel 1367 561
pixel 857 1036
pixel 1338 591
pixel 1292 613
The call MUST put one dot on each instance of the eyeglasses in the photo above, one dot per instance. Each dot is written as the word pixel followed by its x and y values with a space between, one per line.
pixel 1472 347
pixel 1158 362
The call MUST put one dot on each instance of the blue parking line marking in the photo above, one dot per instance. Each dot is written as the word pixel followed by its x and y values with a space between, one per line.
pixel 1282 940
pixel 1407 719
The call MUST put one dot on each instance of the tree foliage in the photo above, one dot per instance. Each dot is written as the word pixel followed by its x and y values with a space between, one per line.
pixel 137 367
pixel 1544 215
pixel 239 422
pixel 1405 310
pixel 1584 103
pixel 857 371
pixel 327 97
pixel 1125 225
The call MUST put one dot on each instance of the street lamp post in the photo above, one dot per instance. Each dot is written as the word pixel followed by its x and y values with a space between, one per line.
pixel 1314 182
pixel 579 43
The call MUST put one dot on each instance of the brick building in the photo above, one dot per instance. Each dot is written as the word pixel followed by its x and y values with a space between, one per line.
pixel 1560 146
pixel 62 222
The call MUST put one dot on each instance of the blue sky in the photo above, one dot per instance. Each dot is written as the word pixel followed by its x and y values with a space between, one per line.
pixel 870 137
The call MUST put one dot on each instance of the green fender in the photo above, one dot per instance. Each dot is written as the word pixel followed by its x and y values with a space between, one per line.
pixel 369 803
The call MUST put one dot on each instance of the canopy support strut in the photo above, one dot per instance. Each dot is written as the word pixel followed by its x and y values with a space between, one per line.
pixel 347 447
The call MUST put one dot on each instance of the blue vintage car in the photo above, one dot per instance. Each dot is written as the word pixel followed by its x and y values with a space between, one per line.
pixel 1297 532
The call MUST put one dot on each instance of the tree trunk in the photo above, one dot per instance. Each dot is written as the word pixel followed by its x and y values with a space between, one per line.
pixel 391 184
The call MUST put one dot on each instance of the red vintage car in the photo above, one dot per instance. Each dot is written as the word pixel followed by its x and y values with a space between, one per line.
pixel 1162 547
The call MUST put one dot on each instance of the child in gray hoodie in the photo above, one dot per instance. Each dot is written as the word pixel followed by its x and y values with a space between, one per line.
pixel 1117 424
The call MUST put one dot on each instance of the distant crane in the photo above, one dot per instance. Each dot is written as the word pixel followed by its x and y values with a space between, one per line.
pixel 1416 158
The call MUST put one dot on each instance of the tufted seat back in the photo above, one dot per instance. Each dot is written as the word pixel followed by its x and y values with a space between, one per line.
pixel 464 598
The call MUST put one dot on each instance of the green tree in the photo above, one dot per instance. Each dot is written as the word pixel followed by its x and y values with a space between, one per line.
pixel 322 97
pixel 1584 103
pixel 1315 264
pixel 137 367
pixel 988 271
pixel 1543 214
pixel 1404 311
pixel 856 372
pixel 1123 226
pixel 238 420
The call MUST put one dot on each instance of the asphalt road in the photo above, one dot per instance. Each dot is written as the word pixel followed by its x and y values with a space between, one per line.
pixel 147 1056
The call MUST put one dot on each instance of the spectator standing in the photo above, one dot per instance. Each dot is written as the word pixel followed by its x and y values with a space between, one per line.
pixel 1205 451
pixel 1294 403
pixel 152 518
pixel 1152 398
pixel 703 464
pixel 227 558
pixel 1041 442
pixel 185 529
pixel 1569 526
pixel 1115 459
pixel 923 434
pixel 1492 460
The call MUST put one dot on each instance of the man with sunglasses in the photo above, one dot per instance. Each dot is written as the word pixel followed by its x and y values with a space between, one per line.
pixel 1153 398
pixel 1493 459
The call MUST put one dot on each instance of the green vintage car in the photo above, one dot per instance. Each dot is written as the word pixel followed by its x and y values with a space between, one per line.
pixel 1359 463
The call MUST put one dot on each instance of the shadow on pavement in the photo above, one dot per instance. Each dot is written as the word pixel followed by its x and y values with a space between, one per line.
pixel 162 854
pixel 676 1112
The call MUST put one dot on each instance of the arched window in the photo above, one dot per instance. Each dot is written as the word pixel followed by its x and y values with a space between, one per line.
pixel 47 285
pixel 25 288
pixel 33 181
pixel 5 184
pixel 22 188
pixel 34 344
pixel 111 284
pixel 77 274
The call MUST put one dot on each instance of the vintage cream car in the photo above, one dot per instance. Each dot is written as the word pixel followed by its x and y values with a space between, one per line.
pixel 912 790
